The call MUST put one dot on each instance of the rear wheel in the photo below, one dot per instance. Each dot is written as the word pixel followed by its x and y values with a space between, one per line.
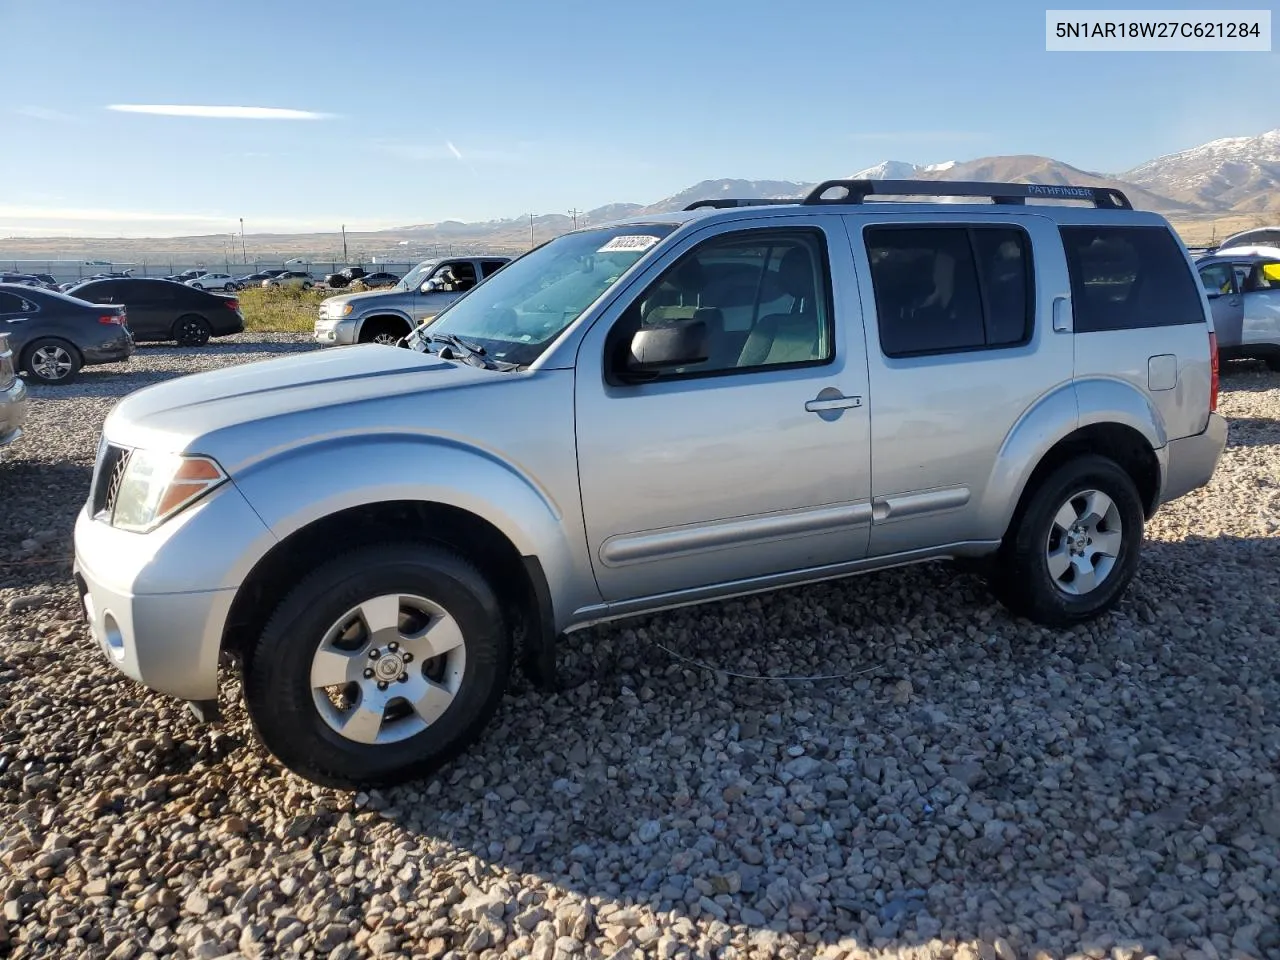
pixel 1072 551
pixel 230 288
pixel 379 666
pixel 52 361
pixel 191 331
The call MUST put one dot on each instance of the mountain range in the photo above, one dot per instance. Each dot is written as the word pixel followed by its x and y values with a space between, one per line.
pixel 1237 176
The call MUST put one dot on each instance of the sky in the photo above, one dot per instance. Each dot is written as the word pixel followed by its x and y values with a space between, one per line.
pixel 405 112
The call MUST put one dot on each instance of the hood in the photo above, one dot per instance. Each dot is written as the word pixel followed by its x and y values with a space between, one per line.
pixel 188 414
pixel 356 298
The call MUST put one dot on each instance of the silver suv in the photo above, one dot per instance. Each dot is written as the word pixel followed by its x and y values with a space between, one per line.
pixel 658 412
pixel 386 316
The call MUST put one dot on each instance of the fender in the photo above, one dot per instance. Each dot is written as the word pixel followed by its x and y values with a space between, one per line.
pixel 1053 418
pixel 304 484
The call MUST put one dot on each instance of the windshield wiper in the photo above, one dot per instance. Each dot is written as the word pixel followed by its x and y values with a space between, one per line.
pixel 471 353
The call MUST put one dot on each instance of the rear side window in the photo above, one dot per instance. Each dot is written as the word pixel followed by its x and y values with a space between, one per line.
pixel 950 289
pixel 11 303
pixel 1128 278
pixel 492 266
pixel 1217 278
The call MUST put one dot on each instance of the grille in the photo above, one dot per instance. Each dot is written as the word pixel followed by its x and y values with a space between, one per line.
pixel 107 482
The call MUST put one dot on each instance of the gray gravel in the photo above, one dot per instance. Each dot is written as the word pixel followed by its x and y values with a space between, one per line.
pixel 976 788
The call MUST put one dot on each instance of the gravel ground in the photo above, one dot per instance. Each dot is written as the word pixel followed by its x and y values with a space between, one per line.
pixel 973 787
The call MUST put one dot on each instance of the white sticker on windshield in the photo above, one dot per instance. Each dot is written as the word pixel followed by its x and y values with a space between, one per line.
pixel 638 242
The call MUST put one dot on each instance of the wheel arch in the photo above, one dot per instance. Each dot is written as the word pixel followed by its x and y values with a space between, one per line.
pixel 384 316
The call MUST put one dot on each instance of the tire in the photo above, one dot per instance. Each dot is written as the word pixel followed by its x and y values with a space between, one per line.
pixel 52 361
pixel 191 330
pixel 197 286
pixel 230 288
pixel 387 332
pixel 301 725
pixel 1024 577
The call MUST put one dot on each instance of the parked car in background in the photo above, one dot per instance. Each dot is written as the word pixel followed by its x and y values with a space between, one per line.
pixel 13 395
pixel 291 278
pixel 25 279
pixel 166 310
pixel 186 275
pixel 54 335
pixel 213 281
pixel 344 277
pixel 668 410
pixel 379 280
pixel 1243 288
pixel 252 279
pixel 386 316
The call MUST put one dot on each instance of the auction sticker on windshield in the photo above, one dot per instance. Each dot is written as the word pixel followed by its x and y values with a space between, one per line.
pixel 637 242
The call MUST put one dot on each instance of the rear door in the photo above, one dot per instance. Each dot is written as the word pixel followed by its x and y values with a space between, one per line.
pixel 960 344
pixel 16 314
pixel 1220 286
pixel 1138 316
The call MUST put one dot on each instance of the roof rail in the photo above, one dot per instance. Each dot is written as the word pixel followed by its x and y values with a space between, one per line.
pixel 724 203
pixel 1003 193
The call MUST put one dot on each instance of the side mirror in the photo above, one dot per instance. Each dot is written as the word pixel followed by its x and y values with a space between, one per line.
pixel 431 286
pixel 664 346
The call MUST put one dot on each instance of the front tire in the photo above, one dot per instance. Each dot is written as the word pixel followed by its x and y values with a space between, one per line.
pixel 1073 549
pixel 379 666
pixel 52 361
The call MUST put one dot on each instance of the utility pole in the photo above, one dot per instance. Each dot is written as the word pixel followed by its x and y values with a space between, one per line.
pixel 244 256
pixel 574 213
pixel 531 231
pixel 344 243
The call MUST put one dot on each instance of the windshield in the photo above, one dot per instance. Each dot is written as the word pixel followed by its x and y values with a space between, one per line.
pixel 413 279
pixel 521 309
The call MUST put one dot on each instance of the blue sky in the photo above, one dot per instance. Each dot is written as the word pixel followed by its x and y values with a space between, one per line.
pixel 477 111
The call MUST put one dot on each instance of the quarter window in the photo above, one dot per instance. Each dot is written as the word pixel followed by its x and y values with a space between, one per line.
pixel 950 289
pixel 764 297
pixel 1128 278
pixel 10 303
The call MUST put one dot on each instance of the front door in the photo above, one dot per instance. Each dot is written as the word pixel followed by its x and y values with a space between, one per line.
pixel 1261 324
pixel 753 462
pixel 1219 282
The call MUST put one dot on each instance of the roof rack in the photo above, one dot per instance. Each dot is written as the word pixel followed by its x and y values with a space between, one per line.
pixel 856 191
pixel 726 202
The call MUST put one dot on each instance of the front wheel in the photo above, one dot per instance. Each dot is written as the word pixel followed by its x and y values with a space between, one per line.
pixel 1073 549
pixel 379 666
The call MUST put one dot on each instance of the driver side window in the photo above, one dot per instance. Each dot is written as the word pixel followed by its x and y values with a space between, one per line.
pixel 762 297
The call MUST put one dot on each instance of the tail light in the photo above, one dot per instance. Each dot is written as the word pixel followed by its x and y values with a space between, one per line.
pixel 1213 374
pixel 233 303
pixel 116 319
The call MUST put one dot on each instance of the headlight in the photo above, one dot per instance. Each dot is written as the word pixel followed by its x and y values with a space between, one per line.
pixel 155 486
pixel 342 311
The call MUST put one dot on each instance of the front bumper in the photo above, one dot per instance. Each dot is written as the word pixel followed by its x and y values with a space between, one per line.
pixel 110 351
pixel 1190 461
pixel 157 603
pixel 335 332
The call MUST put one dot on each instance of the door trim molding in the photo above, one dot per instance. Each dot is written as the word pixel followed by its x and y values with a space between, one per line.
pixel 627 549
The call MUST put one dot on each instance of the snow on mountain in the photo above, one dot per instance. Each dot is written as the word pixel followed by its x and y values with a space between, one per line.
pixel 1240 173
pixel 888 170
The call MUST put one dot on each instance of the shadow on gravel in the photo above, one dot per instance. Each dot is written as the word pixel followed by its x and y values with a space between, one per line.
pixel 218 347
pixel 1248 375
pixel 974 776
pixel 968 776
pixel 1253 432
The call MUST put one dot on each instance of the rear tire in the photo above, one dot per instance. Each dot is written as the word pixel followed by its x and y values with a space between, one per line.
pixel 230 288
pixel 1073 549
pixel 191 330
pixel 361 729
pixel 52 361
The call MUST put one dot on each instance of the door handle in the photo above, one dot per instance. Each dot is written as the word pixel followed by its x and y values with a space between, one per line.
pixel 1060 323
pixel 832 403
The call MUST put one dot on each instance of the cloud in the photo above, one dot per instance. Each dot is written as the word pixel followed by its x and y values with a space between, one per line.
pixel 44 113
pixel 452 149
pixel 901 136
pixel 218 113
